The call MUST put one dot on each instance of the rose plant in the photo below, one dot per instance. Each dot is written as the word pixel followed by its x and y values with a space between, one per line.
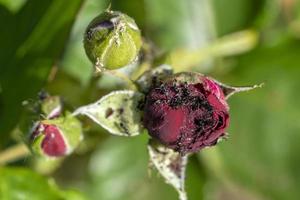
pixel 182 112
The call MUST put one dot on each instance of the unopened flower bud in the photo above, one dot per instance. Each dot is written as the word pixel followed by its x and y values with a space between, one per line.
pixel 112 40
pixel 51 106
pixel 186 112
pixel 56 137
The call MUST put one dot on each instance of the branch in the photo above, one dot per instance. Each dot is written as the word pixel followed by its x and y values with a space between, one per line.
pixel 13 153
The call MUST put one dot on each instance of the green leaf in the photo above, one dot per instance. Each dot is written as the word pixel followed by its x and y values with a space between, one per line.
pixel 118 112
pixel 72 195
pixel 24 184
pixel 13 6
pixel 31 42
pixel 171 165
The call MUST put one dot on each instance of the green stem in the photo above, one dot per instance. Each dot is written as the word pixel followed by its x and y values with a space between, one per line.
pixel 143 67
pixel 124 77
pixel 233 44
pixel 13 153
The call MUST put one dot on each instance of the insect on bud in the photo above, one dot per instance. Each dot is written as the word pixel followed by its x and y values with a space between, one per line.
pixel 112 40
pixel 186 112
pixel 56 137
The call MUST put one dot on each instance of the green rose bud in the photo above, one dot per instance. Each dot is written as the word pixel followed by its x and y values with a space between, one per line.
pixel 51 107
pixel 112 40
pixel 56 137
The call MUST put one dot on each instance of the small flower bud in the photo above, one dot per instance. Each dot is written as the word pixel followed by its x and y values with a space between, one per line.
pixel 56 137
pixel 112 40
pixel 51 106
pixel 186 112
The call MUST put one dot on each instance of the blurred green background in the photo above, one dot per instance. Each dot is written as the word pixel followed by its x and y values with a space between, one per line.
pixel 41 48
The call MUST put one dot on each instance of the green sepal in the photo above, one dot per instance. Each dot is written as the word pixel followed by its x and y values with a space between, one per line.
pixel 36 145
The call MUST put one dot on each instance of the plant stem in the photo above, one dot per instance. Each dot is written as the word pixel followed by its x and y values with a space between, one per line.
pixel 182 195
pixel 140 70
pixel 122 76
pixel 233 44
pixel 14 153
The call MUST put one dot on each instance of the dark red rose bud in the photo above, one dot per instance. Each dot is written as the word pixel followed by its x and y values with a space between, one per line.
pixel 186 112
pixel 56 137
pixel 51 142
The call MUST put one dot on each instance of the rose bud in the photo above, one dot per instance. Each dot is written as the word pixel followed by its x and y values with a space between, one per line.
pixel 186 112
pixel 112 40
pixel 51 106
pixel 56 137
